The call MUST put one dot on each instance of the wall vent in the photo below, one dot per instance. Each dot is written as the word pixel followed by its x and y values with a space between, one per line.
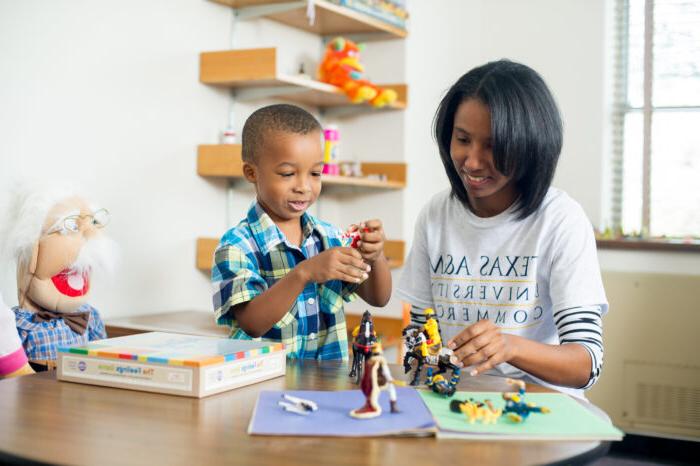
pixel 662 395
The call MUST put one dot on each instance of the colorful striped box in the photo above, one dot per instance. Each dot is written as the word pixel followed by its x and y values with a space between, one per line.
pixel 172 363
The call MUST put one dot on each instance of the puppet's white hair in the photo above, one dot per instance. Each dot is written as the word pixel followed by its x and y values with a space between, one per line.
pixel 24 216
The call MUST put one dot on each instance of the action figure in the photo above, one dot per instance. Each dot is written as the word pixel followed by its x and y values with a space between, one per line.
pixel 441 386
pixel 364 337
pixel 376 378
pixel 477 410
pixel 424 344
pixel 516 408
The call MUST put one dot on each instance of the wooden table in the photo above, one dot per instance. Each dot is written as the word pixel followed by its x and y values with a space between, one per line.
pixel 42 419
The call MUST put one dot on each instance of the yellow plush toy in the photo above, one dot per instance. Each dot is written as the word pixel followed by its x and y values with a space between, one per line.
pixel 341 67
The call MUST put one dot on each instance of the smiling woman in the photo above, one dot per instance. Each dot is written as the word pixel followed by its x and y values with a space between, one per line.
pixel 507 262
pixel 56 239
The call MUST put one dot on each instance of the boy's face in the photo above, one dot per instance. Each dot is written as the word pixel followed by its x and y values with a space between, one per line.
pixel 287 174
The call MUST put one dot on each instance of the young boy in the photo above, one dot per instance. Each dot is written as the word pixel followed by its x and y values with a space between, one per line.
pixel 282 274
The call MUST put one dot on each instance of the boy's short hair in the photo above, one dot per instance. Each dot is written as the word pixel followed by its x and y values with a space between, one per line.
pixel 278 117
pixel 526 128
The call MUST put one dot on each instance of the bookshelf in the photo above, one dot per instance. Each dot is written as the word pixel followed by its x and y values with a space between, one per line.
pixel 330 19
pixel 254 74
pixel 224 161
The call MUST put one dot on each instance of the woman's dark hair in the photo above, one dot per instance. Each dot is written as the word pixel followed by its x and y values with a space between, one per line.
pixel 526 128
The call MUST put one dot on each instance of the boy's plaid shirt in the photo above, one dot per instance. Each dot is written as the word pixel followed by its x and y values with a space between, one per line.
pixel 254 255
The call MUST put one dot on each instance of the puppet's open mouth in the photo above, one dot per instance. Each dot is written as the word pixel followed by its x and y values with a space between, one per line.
pixel 72 283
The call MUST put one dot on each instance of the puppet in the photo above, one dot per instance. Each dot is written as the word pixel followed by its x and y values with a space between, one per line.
pixel 56 239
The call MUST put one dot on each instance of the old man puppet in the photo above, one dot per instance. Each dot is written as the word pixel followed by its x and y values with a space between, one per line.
pixel 56 239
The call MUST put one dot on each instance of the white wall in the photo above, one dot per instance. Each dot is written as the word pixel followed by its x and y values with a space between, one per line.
pixel 108 93
pixel 565 41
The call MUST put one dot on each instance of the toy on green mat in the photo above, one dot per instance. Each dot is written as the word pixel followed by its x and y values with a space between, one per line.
pixel 440 385
pixel 476 410
pixel 516 409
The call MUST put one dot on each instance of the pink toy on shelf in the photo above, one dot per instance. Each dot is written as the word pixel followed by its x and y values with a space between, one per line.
pixel 331 136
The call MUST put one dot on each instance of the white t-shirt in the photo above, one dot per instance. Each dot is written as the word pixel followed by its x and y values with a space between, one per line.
pixel 513 272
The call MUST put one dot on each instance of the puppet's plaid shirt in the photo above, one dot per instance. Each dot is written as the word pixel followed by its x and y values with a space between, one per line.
pixel 42 339
pixel 254 255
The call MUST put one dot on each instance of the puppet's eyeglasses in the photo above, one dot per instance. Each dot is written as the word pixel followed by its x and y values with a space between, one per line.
pixel 71 224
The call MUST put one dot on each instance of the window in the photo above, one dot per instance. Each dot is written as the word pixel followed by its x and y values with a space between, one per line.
pixel 656 118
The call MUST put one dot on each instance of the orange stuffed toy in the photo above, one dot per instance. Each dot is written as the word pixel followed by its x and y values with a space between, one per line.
pixel 341 67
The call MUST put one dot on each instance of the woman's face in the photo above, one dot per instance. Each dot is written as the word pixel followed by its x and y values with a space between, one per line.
pixel 490 192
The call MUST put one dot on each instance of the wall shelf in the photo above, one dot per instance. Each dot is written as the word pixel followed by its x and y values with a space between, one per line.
pixel 224 161
pixel 393 249
pixel 330 19
pixel 252 73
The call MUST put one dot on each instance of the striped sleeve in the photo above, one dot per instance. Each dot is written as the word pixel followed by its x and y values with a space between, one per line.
pixel 583 325
pixel 417 315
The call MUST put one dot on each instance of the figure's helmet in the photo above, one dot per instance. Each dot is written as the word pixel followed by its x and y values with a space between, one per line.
pixel 429 312
pixel 377 349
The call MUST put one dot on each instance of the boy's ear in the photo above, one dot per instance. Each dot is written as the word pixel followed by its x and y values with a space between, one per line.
pixel 250 172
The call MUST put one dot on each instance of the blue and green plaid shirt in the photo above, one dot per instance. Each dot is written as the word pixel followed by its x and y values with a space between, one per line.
pixel 42 339
pixel 254 255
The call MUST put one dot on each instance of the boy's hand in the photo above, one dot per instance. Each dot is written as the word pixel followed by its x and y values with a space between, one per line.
pixel 344 264
pixel 371 244
pixel 482 345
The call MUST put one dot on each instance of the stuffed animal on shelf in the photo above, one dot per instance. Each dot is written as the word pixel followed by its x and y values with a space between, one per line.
pixel 56 239
pixel 341 67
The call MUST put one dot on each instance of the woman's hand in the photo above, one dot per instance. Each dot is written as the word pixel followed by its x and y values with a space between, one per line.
pixel 482 345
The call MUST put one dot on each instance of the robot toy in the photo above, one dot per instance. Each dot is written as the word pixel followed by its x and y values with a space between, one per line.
pixel 364 337
pixel 423 344
pixel 516 409
pixel 440 385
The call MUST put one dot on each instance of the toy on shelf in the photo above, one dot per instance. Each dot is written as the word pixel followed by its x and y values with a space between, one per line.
pixel 516 409
pixel 376 377
pixel 57 241
pixel 423 344
pixel 440 385
pixel 331 138
pixel 477 410
pixel 364 337
pixel 297 405
pixel 341 67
